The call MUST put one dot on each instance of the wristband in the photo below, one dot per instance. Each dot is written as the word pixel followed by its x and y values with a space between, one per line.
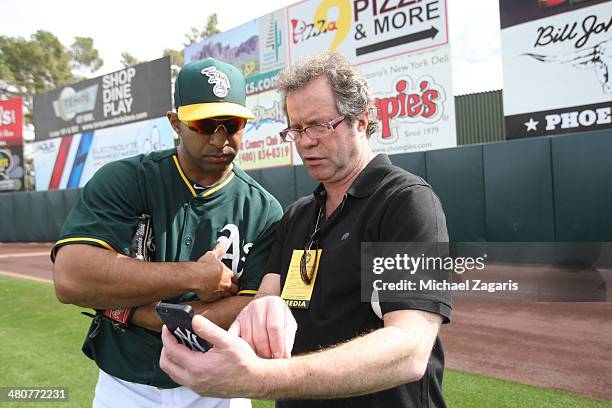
pixel 121 316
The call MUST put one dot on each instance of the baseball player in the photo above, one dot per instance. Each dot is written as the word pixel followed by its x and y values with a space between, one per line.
pixel 170 207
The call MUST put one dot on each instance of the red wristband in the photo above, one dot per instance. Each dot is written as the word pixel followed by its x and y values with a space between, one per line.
pixel 121 316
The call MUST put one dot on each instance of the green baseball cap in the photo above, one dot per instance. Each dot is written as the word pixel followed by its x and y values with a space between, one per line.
pixel 208 88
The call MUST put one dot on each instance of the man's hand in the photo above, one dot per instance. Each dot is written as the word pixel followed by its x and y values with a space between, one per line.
pixel 217 282
pixel 229 368
pixel 268 326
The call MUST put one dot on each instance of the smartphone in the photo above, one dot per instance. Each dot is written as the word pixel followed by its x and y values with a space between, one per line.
pixel 177 319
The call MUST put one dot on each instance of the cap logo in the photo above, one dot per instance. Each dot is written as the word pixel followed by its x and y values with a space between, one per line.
pixel 219 79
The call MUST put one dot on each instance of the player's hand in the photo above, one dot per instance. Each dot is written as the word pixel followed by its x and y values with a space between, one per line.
pixel 267 324
pixel 217 278
pixel 229 368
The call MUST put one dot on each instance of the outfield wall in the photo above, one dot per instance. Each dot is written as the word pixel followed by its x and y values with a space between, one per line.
pixel 542 189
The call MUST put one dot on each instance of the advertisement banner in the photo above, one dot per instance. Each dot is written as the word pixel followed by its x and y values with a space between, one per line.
pixel 11 168
pixel 557 59
pixel 262 146
pixel 365 30
pixel 11 122
pixel 414 102
pixel 129 95
pixel 272 44
pixel 258 48
pixel 239 47
pixel 400 46
pixel 70 161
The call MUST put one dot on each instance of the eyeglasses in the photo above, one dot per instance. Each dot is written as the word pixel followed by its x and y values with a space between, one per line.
pixel 209 126
pixel 311 245
pixel 317 131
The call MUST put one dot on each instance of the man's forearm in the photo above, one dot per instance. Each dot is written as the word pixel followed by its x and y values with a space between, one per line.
pixel 379 360
pixel 387 357
pixel 93 277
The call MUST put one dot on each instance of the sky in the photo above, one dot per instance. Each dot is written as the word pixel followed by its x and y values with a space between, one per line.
pixel 146 28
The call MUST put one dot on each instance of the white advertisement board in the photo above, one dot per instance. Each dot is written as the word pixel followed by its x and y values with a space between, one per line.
pixel 557 59
pixel 365 30
pixel 401 47
pixel 414 102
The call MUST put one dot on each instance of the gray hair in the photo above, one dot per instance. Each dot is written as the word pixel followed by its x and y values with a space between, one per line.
pixel 352 92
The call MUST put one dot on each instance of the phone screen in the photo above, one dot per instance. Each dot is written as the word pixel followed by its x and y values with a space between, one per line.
pixel 178 320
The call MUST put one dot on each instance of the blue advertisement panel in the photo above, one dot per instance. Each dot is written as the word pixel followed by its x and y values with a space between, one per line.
pixel 70 161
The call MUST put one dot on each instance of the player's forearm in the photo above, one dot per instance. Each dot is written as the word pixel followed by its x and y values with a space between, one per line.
pixel 221 312
pixel 146 316
pixel 92 277
pixel 379 360
pixel 270 286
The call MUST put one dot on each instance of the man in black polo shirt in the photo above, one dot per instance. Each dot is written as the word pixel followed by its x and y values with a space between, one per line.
pixel 347 353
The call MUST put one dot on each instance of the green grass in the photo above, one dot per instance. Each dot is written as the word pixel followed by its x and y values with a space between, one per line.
pixel 465 390
pixel 41 341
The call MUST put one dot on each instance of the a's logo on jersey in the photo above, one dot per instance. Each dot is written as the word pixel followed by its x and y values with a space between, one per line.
pixel 236 249
pixel 219 79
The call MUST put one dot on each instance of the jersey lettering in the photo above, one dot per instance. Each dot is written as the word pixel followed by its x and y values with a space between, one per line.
pixel 236 253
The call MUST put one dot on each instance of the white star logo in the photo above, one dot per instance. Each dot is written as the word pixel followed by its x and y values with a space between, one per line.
pixel 531 125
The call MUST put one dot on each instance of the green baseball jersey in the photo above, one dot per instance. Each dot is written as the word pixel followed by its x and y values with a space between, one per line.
pixel 186 225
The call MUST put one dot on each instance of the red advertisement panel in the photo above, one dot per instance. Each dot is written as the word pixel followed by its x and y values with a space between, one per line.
pixel 11 122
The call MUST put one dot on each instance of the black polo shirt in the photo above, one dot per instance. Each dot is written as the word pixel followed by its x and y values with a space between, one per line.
pixel 384 204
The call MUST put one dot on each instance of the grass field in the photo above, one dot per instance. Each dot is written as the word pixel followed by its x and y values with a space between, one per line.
pixel 40 342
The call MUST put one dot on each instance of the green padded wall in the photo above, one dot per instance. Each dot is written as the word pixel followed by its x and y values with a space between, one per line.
pixel 542 189
pixel 8 222
pixel 35 216
pixel 582 172
pixel 280 182
pixel 58 207
pixel 457 177
pixel 413 162
pixel 304 184
pixel 518 191
pixel 31 216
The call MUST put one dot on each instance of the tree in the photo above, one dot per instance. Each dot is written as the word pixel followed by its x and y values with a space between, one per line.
pixel 176 56
pixel 42 63
pixel 127 60
pixel 177 60
pixel 195 35
pixel 84 55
